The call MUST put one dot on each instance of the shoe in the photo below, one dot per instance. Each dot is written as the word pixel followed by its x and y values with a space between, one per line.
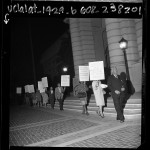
pixel 117 119
pixel 101 114
pixel 87 113
pixel 121 121
pixel 98 112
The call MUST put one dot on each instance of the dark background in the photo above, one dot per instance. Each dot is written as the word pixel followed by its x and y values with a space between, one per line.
pixel 44 32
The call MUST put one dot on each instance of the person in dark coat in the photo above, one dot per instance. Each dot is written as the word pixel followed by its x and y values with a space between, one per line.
pixel 51 97
pixel 38 97
pixel 116 87
pixel 124 94
pixel 59 95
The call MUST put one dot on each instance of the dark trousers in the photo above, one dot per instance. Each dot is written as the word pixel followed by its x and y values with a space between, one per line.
pixel 60 103
pixel 39 103
pixel 118 106
pixel 52 103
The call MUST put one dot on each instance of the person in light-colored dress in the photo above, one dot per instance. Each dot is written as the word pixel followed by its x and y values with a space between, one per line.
pixel 45 98
pixel 99 97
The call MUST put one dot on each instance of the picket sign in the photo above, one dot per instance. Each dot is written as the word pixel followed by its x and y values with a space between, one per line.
pixel 18 90
pixel 96 70
pixel 40 87
pixel 45 82
pixel 84 73
pixel 65 80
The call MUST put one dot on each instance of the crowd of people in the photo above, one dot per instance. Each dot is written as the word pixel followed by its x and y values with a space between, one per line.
pixel 117 89
pixel 47 97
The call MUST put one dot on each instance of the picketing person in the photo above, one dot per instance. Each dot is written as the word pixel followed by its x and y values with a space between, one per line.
pixel 116 87
pixel 59 94
pixel 99 98
pixel 81 92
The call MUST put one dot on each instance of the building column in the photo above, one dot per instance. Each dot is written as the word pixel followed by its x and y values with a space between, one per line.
pixel 113 38
pixel 76 44
pixel 87 40
pixel 138 27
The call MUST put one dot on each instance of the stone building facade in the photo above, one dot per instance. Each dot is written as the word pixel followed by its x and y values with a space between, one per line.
pixel 90 38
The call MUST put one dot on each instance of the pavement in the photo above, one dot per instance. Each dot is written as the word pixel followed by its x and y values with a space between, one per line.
pixel 45 127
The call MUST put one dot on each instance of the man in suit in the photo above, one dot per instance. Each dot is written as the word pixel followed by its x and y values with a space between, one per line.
pixel 59 93
pixel 51 97
pixel 116 87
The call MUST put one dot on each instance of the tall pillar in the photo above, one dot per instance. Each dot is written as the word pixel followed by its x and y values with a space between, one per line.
pixel 113 38
pixel 138 27
pixel 99 37
pixel 76 44
pixel 87 40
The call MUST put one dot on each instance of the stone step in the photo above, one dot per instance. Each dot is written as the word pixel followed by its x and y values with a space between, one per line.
pixel 111 105
pixel 107 114
pixel 109 100
pixel 106 109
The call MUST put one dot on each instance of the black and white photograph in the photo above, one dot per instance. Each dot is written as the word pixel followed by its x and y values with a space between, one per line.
pixel 75 81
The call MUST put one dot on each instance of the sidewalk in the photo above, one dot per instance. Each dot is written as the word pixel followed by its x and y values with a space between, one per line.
pixel 33 126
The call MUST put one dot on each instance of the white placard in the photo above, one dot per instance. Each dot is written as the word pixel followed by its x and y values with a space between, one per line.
pixel 40 87
pixel 26 89
pixel 96 70
pixel 45 82
pixel 104 86
pixel 65 80
pixel 84 73
pixel 18 90
pixel 31 89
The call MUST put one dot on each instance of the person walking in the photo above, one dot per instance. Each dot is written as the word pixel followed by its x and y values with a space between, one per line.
pixel 98 93
pixel 124 94
pixel 45 98
pixel 34 99
pixel 51 97
pixel 38 97
pixel 81 92
pixel 116 87
pixel 59 93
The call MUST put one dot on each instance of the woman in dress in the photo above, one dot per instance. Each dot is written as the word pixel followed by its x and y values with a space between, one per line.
pixel 82 88
pixel 45 98
pixel 99 97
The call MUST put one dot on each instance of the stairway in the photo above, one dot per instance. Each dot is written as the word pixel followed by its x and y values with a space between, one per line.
pixel 132 109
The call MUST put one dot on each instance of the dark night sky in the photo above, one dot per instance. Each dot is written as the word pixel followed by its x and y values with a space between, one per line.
pixel 44 32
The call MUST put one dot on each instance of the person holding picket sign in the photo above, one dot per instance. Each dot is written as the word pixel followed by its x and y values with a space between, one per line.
pixel 51 97
pixel 38 97
pixel 81 92
pixel 59 94
pixel 45 98
pixel 99 97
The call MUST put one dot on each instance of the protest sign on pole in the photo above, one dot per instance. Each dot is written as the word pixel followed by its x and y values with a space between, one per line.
pixel 45 82
pixel 18 90
pixel 31 87
pixel 26 89
pixel 84 73
pixel 65 80
pixel 40 87
pixel 96 70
